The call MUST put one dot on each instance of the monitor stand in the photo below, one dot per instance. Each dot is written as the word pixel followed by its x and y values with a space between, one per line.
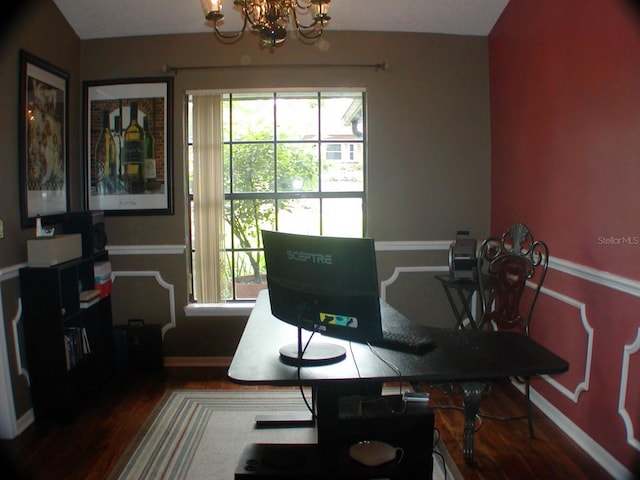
pixel 315 353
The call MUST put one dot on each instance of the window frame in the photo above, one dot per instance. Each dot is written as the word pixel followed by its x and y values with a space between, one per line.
pixel 222 308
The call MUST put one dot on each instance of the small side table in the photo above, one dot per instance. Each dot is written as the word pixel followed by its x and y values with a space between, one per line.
pixel 460 293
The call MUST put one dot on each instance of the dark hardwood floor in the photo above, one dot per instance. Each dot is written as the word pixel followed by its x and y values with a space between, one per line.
pixel 90 446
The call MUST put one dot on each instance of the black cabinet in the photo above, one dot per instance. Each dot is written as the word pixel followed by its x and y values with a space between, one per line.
pixel 68 342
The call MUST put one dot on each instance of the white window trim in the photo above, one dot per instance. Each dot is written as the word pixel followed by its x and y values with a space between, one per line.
pixel 231 309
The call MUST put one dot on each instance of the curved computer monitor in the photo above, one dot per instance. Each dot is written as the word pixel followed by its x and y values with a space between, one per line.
pixel 323 284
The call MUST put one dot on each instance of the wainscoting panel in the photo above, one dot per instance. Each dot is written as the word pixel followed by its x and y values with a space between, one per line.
pixel 630 392
pixel 157 299
pixel 560 322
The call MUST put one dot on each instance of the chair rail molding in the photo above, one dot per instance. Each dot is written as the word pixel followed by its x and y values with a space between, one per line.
pixel 146 249
pixel 412 246
pixel 11 271
pixel 606 279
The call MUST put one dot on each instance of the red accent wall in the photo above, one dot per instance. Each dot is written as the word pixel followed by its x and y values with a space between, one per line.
pixel 565 107
pixel 565 132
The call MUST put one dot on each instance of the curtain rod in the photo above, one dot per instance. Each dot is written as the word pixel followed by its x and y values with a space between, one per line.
pixel 377 66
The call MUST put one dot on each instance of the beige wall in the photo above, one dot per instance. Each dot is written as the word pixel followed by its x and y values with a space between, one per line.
pixel 45 34
pixel 428 141
pixel 428 117
pixel 428 155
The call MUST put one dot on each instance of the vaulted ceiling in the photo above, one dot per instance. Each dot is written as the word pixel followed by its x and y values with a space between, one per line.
pixel 123 18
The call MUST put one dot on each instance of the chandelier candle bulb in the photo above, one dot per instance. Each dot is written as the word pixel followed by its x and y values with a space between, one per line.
pixel 212 10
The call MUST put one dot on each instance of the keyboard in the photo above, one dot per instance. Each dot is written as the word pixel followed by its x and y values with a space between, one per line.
pixel 405 342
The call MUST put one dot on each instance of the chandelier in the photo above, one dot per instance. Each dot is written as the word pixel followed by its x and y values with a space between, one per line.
pixel 270 18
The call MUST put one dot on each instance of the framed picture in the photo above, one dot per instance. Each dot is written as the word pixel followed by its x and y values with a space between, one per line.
pixel 128 164
pixel 42 124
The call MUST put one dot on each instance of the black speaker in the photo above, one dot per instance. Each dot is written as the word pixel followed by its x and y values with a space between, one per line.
pixel 91 226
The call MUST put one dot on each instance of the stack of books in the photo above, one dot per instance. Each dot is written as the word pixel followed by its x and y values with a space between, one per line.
pixel 76 344
pixel 102 278
pixel 88 298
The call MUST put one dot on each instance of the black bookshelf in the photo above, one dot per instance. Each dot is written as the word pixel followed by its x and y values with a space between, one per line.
pixel 68 342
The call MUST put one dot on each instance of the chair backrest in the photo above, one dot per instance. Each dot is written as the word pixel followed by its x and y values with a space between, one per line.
pixel 504 266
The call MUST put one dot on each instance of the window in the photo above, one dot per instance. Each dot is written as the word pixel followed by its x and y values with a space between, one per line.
pixel 334 151
pixel 269 160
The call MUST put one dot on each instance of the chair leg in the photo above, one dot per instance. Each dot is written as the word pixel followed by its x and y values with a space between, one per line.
pixel 528 399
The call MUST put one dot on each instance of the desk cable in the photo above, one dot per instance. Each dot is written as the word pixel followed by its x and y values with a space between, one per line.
pixel 309 406
pixel 397 371
pixel 480 416
pixel 355 363
pixel 385 361
pixel 436 441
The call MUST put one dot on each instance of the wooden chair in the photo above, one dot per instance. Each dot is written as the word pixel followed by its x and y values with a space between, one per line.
pixel 511 262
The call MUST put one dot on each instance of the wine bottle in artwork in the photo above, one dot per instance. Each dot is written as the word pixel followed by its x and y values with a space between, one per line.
pixel 149 157
pixel 105 158
pixel 116 133
pixel 133 161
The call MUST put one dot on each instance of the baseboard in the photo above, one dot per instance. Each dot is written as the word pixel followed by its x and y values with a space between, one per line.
pixel 584 441
pixel 197 361
pixel 25 420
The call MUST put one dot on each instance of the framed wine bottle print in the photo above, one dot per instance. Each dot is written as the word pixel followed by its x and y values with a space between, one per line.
pixel 128 155
pixel 42 123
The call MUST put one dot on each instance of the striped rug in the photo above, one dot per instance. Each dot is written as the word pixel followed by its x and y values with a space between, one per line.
pixel 199 434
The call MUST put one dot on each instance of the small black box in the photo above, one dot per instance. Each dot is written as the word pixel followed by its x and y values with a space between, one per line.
pixel 138 347
pixel 91 226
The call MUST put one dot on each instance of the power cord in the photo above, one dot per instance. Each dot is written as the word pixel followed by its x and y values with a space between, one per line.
pixel 298 370
pixel 437 453
pixel 479 416
pixel 419 459
pixel 397 371
pixel 389 364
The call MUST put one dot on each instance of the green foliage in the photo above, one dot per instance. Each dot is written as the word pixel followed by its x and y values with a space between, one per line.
pixel 257 168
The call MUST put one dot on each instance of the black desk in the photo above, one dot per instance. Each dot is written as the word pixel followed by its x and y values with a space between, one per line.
pixel 469 357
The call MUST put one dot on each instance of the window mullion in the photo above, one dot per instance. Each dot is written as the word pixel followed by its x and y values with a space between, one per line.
pixel 275 158
pixel 320 166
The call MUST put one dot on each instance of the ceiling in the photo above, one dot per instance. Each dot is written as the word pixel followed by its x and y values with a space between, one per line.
pixel 122 18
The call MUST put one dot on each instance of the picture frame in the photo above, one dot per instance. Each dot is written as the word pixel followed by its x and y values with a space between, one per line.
pixel 128 165
pixel 43 141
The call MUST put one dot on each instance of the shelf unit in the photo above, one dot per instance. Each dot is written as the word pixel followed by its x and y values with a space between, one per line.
pixel 69 343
